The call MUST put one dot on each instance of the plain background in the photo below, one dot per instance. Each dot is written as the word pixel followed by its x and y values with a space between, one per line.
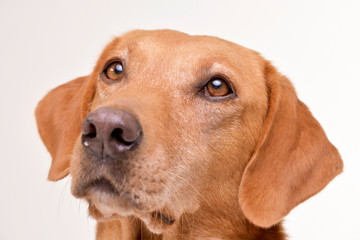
pixel 46 43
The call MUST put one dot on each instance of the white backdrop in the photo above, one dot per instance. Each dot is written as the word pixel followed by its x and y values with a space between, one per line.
pixel 45 43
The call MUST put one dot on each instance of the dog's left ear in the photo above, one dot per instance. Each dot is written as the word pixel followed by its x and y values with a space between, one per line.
pixel 59 116
pixel 292 161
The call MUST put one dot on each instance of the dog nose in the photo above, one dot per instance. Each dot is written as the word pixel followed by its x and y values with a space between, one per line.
pixel 109 132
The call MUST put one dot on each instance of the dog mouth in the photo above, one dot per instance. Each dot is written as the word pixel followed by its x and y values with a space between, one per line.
pixel 102 185
pixel 110 201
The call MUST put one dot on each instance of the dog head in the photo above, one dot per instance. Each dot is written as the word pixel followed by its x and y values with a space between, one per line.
pixel 168 124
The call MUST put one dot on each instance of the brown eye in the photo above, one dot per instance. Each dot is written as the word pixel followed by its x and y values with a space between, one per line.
pixel 114 71
pixel 217 87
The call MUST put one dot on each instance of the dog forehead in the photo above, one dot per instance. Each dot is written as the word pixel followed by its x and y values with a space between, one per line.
pixel 168 46
pixel 166 51
pixel 166 40
pixel 178 61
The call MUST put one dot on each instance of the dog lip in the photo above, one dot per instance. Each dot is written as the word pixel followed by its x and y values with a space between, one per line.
pixel 104 185
pixel 166 218
pixel 100 184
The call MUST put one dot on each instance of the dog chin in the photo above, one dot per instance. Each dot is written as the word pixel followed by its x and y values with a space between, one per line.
pixel 108 207
pixel 105 208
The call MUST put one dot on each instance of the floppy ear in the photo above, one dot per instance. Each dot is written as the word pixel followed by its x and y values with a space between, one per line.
pixel 59 116
pixel 292 161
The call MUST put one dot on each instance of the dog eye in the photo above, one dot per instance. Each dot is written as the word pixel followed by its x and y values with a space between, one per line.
pixel 114 71
pixel 217 87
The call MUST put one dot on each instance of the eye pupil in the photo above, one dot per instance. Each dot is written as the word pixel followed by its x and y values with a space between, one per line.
pixel 118 69
pixel 216 84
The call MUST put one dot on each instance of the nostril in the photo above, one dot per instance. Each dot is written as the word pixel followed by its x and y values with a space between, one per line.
pixel 89 131
pixel 117 135
pixel 91 138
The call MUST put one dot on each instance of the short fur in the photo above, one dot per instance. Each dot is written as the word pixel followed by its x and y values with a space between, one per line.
pixel 220 169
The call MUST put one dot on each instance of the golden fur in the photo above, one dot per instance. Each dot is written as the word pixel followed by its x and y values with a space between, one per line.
pixel 228 169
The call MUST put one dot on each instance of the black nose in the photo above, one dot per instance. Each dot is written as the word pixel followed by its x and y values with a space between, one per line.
pixel 108 132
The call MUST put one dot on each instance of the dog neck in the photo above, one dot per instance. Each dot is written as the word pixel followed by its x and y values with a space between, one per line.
pixel 131 228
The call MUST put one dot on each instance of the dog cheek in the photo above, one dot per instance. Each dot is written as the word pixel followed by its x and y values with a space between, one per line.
pixel 76 162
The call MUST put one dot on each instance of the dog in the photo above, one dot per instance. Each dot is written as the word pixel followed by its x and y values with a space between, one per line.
pixel 175 136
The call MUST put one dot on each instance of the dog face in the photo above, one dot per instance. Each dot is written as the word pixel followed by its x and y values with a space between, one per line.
pixel 169 124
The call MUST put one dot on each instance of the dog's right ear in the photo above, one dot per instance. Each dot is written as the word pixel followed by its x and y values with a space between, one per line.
pixel 59 116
